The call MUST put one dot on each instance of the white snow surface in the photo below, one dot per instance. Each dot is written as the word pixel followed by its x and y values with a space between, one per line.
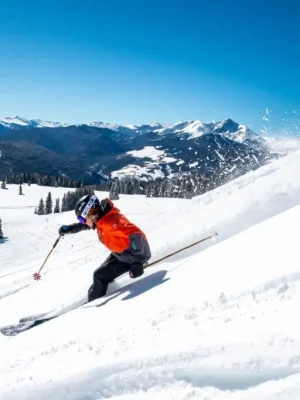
pixel 15 120
pixel 217 321
pixel 154 153
pixel 148 172
pixel 113 127
pixel 147 151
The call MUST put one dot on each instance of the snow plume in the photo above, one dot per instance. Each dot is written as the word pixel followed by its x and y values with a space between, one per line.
pixel 284 145
pixel 281 131
pixel 266 127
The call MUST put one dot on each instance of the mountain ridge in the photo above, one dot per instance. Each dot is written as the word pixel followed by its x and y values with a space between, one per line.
pixel 109 150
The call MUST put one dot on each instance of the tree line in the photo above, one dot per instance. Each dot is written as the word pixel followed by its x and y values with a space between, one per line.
pixel 68 202
pixel 180 185
pixel 41 180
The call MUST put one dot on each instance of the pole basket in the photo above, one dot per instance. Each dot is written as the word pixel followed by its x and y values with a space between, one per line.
pixel 36 276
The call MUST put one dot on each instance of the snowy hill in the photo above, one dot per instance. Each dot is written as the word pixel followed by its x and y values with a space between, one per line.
pixel 216 321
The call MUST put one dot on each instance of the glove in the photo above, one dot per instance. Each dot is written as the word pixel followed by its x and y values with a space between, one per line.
pixel 136 270
pixel 63 230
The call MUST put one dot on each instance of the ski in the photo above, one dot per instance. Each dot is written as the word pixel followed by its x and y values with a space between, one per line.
pixel 34 320
pixel 34 317
pixel 13 330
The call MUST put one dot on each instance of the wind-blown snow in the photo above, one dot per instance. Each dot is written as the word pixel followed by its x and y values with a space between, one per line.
pixel 218 321
pixel 283 144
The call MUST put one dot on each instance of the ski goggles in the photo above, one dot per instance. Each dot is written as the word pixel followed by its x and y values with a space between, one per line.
pixel 82 218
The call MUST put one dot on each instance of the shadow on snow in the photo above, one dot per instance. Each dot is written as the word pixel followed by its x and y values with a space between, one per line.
pixel 137 288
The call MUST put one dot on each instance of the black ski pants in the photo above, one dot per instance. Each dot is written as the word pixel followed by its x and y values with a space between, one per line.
pixel 109 270
pixel 114 266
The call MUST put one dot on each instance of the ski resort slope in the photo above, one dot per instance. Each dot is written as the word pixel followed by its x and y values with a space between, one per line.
pixel 217 321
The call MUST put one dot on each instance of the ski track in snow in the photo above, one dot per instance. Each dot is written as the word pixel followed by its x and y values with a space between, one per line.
pixel 218 321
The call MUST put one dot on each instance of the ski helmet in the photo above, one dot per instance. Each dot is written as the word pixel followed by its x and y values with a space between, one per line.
pixel 84 205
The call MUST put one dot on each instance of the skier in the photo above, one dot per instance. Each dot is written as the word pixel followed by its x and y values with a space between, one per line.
pixel 128 244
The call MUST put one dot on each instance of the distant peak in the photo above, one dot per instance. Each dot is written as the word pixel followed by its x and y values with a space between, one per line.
pixel 227 125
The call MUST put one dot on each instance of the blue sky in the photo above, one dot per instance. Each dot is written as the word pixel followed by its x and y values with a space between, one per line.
pixel 137 61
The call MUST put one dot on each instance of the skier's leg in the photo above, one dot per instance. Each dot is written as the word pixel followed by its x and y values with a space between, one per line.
pixel 106 273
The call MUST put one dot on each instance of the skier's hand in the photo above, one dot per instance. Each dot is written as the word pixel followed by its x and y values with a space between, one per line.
pixel 63 230
pixel 136 270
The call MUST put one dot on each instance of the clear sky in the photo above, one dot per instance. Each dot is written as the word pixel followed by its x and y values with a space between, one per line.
pixel 138 61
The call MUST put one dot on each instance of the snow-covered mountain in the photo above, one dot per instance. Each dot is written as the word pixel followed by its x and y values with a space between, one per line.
pixel 112 150
pixel 23 123
pixel 190 129
pixel 217 321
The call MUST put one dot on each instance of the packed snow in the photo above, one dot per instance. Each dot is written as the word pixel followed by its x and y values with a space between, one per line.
pixel 217 321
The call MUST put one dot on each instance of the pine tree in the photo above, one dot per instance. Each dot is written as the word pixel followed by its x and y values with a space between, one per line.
pixel 114 191
pixel 41 208
pixel 63 204
pixel 20 190
pixel 69 201
pixel 3 185
pixel 56 208
pixel 1 233
pixel 48 204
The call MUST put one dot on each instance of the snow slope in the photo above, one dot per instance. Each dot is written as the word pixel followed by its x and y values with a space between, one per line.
pixel 218 321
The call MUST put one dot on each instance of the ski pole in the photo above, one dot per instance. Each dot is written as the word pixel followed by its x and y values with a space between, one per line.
pixel 36 275
pixel 213 236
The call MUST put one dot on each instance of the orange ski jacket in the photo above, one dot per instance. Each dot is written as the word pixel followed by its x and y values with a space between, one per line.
pixel 114 230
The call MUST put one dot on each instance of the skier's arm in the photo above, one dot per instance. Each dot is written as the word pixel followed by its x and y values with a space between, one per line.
pixel 73 228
